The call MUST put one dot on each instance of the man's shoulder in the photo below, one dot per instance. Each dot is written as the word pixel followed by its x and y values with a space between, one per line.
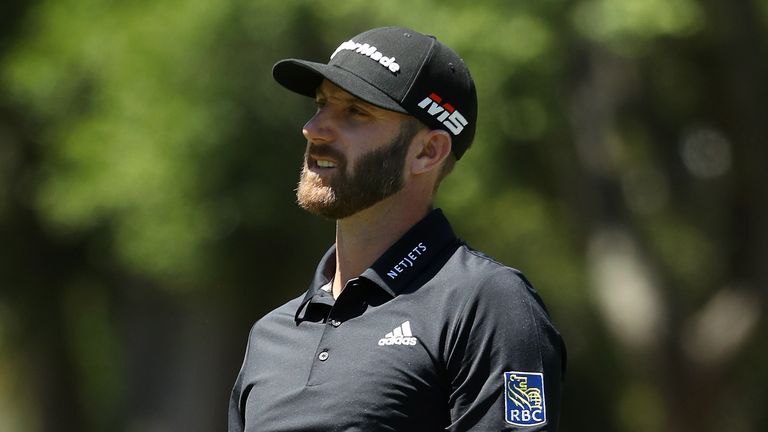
pixel 475 267
pixel 280 314
pixel 472 276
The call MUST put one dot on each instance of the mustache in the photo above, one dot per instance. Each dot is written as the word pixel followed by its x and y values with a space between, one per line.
pixel 319 151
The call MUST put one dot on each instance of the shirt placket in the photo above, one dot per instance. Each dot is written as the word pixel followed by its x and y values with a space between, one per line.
pixel 325 360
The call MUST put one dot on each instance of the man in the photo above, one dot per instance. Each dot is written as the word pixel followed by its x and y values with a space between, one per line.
pixel 404 327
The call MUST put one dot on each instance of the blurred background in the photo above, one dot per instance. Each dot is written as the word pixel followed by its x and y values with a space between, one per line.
pixel 147 216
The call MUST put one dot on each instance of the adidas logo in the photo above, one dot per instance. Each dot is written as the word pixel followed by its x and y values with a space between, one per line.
pixel 401 335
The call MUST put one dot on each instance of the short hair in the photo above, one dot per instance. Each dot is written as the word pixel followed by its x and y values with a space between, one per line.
pixel 411 126
pixel 447 168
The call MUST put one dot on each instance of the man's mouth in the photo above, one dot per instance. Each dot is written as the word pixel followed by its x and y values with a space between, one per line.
pixel 323 163
pixel 324 159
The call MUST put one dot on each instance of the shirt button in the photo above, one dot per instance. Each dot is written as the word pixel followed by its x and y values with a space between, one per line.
pixel 323 356
pixel 334 322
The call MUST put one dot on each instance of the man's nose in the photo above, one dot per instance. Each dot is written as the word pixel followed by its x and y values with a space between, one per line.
pixel 319 128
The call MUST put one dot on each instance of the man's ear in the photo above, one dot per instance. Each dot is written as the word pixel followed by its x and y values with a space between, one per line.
pixel 434 147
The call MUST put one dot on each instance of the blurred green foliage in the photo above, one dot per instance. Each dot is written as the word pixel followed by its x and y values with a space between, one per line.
pixel 147 167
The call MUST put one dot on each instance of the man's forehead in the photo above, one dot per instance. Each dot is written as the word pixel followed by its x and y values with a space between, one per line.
pixel 328 89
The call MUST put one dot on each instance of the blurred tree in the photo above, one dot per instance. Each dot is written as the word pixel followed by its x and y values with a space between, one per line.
pixel 147 166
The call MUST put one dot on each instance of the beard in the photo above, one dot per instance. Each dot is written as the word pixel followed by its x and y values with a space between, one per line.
pixel 377 175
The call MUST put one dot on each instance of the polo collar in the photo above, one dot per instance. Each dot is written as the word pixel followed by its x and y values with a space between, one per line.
pixel 322 277
pixel 396 268
pixel 412 254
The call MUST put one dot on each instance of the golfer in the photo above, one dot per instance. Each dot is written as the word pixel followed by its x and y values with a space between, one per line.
pixel 404 327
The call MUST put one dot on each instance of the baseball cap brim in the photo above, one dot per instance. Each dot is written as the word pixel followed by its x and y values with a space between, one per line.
pixel 304 77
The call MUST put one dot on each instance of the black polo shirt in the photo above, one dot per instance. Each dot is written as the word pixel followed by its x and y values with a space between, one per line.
pixel 434 336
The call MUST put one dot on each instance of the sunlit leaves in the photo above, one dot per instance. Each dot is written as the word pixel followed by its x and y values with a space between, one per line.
pixel 630 25
pixel 128 98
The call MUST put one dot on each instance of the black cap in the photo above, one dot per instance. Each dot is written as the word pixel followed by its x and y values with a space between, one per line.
pixel 398 69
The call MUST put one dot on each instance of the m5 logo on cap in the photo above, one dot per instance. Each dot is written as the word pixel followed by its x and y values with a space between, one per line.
pixel 445 113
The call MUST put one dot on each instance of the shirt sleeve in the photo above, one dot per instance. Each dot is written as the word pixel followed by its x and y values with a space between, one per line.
pixel 505 360
pixel 236 415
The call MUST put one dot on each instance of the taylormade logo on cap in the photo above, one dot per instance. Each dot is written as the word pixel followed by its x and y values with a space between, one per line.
pixel 369 51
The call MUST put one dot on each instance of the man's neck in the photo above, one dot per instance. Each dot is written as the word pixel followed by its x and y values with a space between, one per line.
pixel 362 238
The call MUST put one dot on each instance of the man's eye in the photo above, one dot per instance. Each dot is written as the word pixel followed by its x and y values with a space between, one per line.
pixel 319 103
pixel 357 110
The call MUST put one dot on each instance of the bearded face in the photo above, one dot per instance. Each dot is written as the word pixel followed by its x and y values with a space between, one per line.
pixel 373 177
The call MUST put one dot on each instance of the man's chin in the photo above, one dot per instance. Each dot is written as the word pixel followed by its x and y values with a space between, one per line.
pixel 322 201
pixel 323 210
pixel 316 198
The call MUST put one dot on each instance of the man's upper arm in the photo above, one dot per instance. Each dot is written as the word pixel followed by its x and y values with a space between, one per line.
pixel 504 358
pixel 236 414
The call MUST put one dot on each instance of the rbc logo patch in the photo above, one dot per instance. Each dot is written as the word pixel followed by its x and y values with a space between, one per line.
pixel 524 398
